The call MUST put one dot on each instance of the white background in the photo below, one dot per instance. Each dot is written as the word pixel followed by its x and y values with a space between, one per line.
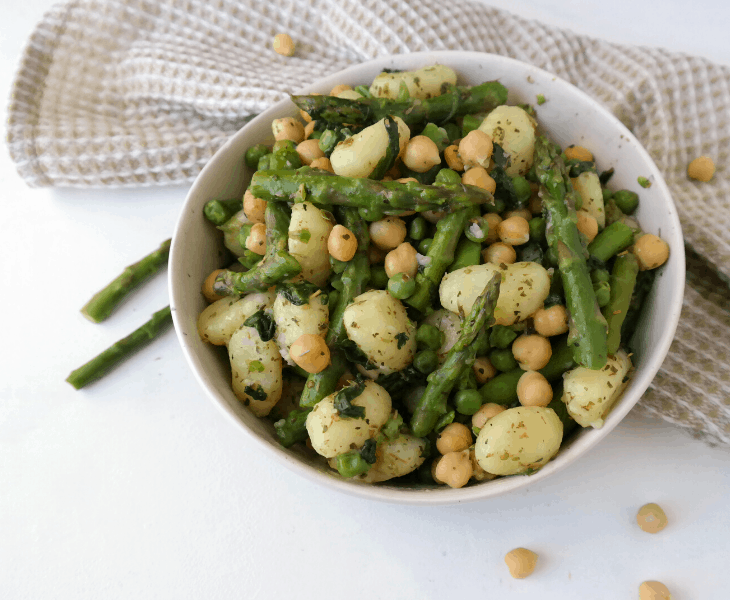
pixel 137 487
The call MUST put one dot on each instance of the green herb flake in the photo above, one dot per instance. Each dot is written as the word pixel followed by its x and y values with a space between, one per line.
pixel 402 338
pixel 644 182
pixel 256 392
pixel 368 451
pixel 540 99
pixel 304 235
pixel 256 366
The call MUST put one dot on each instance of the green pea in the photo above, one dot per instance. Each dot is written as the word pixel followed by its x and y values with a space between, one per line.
pixel 284 145
pixel 426 361
pixel 502 359
pixel 502 389
pixel 425 245
pixel 467 402
pixel 254 153
pixel 470 123
pixel 378 277
pixel 537 230
pixel 598 275
pixel 371 213
pixel 522 189
pixel 607 195
pixel 447 176
pixel 626 200
pixel 501 337
pixel 603 292
pixel 264 163
pixel 437 135
pixel 401 286
pixel 284 159
pixel 429 336
pixel 477 229
pixel 351 463
pixel 418 228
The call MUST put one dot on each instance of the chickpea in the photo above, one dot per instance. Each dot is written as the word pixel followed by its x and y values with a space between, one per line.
pixel 453 160
pixel 288 128
pixel 493 220
pixel 375 255
pixel 421 154
pixel 578 153
pixel 551 321
pixel 322 163
pixel 256 240
pixel 701 168
pixel 453 438
pixel 338 89
pixel 479 177
pixel 487 411
pixel 651 251
pixel 434 466
pixel 342 243
pixel 476 149
pixel 388 233
pixel 651 518
pixel 207 290
pixel 587 225
pixel 532 352
pixel 454 469
pixel 477 472
pixel 522 212
pixel 483 369
pixel 406 179
pixel 283 44
pixel 499 253
pixel 254 208
pixel 521 562
pixel 514 231
pixel 401 260
pixel 534 390
pixel 654 590
pixel 309 128
pixel 310 352
pixel 309 151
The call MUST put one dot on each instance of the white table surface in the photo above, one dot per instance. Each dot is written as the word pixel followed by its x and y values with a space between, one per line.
pixel 137 487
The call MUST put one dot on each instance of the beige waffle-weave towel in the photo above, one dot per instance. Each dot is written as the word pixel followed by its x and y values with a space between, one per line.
pixel 141 92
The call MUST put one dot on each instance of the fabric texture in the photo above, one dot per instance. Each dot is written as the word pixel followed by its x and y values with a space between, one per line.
pixel 140 92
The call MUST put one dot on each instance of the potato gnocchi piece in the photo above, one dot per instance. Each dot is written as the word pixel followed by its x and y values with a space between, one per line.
pixel 219 321
pixel 255 370
pixel 589 187
pixel 514 130
pixel 309 229
pixel 395 458
pixel 450 324
pixel 422 83
pixel 525 285
pixel 518 439
pixel 589 395
pixel 379 325
pixel 332 434
pixel 358 155
pixel 293 321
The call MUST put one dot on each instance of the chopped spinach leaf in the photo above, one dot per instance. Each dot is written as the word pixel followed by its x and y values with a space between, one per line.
pixel 402 339
pixel 297 293
pixel 256 392
pixel 355 355
pixel 368 451
pixel 343 400
pixel 263 324
pixel 605 176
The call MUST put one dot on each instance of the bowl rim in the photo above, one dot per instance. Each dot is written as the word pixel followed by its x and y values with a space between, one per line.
pixel 440 496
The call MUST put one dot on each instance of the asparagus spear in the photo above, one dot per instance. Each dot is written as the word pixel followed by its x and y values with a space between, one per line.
pixel 120 351
pixel 441 255
pixel 354 279
pixel 391 197
pixel 587 326
pixel 613 239
pixel 455 102
pixel 277 264
pixel 623 280
pixel 461 356
pixel 105 301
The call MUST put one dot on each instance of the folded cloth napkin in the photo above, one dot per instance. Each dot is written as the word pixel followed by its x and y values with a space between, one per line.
pixel 140 92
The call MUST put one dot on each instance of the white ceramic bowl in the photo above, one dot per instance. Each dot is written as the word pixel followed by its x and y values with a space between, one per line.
pixel 569 116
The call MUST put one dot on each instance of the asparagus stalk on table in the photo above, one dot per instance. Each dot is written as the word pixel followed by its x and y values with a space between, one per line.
pixel 461 356
pixel 587 333
pixel 106 300
pixel 455 102
pixel 276 266
pixel 390 197
pixel 121 350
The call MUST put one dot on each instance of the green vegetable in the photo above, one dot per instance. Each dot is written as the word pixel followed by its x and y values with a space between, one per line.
pixel 522 189
pixel 476 229
pixel 612 240
pixel 598 275
pixel 418 228
pixel 429 336
pixel 297 293
pixel 447 419
pixel 425 245
pixel 467 402
pixel 447 176
pixel 219 211
pixel 391 153
pixel 561 359
pixel 540 99
pixel 626 200
pixel 293 428
pixel 603 292
pixel 587 325
pixel 436 134
pixel 455 102
pixel 426 361
pixel 469 124
pixel 378 277
pixel 391 197
pixel 351 464
pixel 644 182
pixel 537 230
pixel 401 338
pixel 432 405
pixel 106 300
pixel 120 351
pixel 452 131
pixel 502 389
pixel 502 359
pixel 623 280
pixel 467 254
pixel 263 323
pixel 501 336
pixel 343 401
pixel 401 285
pixel 254 154
pixel 644 281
